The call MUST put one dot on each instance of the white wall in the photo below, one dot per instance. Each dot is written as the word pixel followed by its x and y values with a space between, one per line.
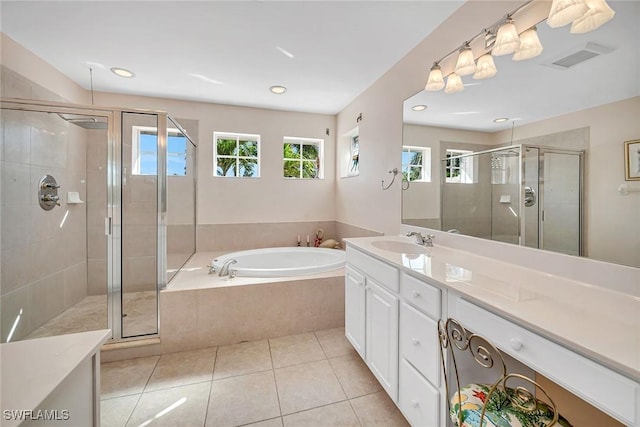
pixel 271 198
pixel 360 200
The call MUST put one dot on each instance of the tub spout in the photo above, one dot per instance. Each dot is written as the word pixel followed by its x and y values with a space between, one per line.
pixel 224 270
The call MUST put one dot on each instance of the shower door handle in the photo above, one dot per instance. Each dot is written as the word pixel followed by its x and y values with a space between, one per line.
pixel 107 226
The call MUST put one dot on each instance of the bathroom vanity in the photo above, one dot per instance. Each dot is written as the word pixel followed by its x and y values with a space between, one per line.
pixel 52 380
pixel 397 290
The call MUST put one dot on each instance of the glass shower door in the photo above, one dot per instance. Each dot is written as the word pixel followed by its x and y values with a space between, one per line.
pixel 139 221
pixel 561 216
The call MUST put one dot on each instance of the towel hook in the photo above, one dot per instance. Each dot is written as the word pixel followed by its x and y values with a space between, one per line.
pixel 394 171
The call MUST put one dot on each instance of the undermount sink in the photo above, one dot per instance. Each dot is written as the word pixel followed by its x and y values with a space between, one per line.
pixel 399 247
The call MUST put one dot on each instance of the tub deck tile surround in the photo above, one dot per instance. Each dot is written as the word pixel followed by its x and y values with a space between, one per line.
pixel 200 388
pixel 199 310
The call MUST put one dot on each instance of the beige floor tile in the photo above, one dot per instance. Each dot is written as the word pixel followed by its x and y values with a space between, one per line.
pixel 334 343
pixel 115 412
pixel 354 376
pixel 126 376
pixel 275 422
pixel 240 359
pixel 335 415
pixel 377 410
pixel 175 407
pixel 307 386
pixel 243 399
pixel 187 367
pixel 295 349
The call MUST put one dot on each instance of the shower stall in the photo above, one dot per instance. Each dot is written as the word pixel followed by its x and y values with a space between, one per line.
pixel 97 214
pixel 522 194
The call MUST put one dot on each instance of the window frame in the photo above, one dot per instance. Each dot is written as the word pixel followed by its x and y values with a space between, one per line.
pixel 319 143
pixel 425 165
pixel 466 168
pixel 238 137
pixel 136 152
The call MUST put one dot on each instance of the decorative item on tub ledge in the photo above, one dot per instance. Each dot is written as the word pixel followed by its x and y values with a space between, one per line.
pixel 318 238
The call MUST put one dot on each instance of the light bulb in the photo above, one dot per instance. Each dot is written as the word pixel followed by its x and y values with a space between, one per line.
pixel 507 40
pixel 435 81
pixel 454 84
pixel 486 68
pixel 530 45
pixel 563 12
pixel 466 63
pixel 599 13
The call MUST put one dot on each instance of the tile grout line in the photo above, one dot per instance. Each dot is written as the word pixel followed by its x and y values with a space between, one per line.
pixel 275 382
pixel 206 412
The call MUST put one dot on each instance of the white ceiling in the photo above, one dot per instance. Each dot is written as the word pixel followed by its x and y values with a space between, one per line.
pixel 529 91
pixel 340 48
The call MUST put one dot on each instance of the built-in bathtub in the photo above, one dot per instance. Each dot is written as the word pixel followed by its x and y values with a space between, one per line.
pixel 281 262
pixel 200 310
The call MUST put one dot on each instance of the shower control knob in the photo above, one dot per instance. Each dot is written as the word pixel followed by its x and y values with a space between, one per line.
pixel 50 185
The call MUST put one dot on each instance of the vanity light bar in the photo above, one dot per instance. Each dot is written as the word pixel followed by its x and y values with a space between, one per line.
pixel 502 38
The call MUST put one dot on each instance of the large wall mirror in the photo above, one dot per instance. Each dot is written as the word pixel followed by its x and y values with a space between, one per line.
pixel 550 176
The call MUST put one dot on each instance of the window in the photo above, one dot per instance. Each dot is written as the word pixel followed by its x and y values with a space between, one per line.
pixel 302 158
pixel 459 167
pixel 416 163
pixel 236 155
pixel 145 151
pixel 355 155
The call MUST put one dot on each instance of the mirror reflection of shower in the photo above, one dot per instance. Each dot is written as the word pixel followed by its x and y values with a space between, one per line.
pixel 521 194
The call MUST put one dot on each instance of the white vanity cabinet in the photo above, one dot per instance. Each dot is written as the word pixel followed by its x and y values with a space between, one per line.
pixel 371 315
pixel 391 320
pixel 419 352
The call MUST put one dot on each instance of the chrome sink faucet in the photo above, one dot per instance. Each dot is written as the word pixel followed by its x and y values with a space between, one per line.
pixel 422 240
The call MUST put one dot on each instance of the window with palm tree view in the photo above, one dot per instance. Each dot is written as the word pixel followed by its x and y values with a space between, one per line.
pixel 416 163
pixel 236 155
pixel 302 158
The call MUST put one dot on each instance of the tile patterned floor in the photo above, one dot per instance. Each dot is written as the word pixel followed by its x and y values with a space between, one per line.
pixel 90 314
pixel 306 380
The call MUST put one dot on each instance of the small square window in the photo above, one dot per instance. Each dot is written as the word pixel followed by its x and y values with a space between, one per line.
pixel 303 158
pixel 236 155
pixel 145 151
pixel 416 164
pixel 459 167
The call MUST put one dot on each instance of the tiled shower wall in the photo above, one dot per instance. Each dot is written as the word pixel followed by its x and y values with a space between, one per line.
pixel 43 255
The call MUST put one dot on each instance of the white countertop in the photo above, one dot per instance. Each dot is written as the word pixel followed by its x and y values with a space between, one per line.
pixel 599 323
pixel 32 369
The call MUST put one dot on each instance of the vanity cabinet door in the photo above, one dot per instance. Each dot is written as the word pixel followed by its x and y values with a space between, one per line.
pixel 382 336
pixel 354 319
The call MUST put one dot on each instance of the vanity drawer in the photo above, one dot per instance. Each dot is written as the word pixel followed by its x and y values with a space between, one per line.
pixel 613 393
pixel 421 295
pixel 383 273
pixel 418 400
pixel 419 342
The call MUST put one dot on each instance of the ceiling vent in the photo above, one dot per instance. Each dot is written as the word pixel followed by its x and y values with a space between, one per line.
pixel 579 55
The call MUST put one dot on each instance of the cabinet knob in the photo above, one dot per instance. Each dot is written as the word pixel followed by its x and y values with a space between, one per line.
pixel 415 403
pixel 361 283
pixel 416 294
pixel 415 341
pixel 516 344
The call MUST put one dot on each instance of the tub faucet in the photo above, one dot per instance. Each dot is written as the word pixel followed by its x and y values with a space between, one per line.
pixel 422 240
pixel 224 270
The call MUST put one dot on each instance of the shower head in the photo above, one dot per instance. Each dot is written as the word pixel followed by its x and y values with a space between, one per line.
pixel 86 122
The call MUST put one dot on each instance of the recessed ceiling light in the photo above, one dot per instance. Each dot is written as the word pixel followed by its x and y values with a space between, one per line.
pixel 122 72
pixel 500 120
pixel 278 90
pixel 419 107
